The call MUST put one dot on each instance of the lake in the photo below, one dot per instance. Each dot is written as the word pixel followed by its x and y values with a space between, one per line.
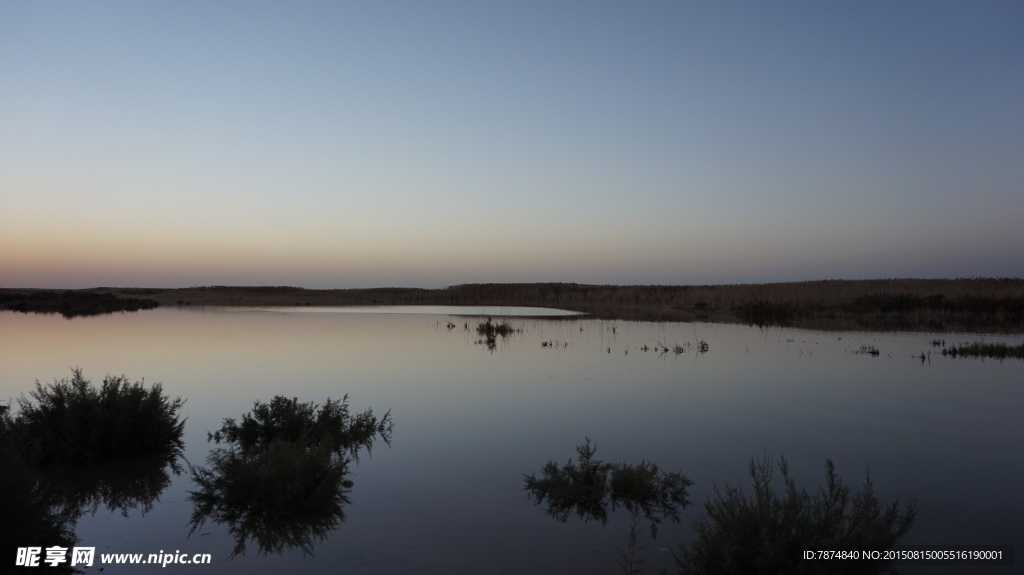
pixel 470 420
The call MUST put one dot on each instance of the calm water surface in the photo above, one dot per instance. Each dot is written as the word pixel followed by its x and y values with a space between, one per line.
pixel 447 495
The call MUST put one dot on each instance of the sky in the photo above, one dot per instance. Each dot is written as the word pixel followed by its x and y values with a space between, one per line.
pixel 427 144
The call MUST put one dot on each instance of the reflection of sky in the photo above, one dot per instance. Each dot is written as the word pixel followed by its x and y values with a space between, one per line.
pixel 469 423
pixel 340 145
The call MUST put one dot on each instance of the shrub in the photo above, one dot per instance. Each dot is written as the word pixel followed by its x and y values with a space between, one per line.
pixel 491 331
pixel 590 486
pixel 78 449
pixel 504 329
pixel 767 532
pixel 282 480
pixel 286 419
pixel 74 422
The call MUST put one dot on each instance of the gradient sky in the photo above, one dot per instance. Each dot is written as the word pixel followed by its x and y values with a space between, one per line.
pixel 360 144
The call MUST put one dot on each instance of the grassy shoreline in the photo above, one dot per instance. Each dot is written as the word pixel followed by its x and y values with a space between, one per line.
pixel 984 305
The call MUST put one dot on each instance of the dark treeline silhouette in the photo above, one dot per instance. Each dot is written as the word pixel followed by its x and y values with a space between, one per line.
pixel 981 304
pixel 70 303
pixel 993 305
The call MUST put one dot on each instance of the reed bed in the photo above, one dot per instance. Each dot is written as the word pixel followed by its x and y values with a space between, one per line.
pixel 981 349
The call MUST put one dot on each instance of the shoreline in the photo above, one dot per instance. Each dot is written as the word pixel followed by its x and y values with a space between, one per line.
pixel 983 305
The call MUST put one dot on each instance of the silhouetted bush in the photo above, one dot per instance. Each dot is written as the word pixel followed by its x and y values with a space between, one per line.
pixel 74 422
pixel 490 329
pixel 282 482
pixel 490 332
pixel 78 450
pixel 283 419
pixel 767 532
pixel 590 487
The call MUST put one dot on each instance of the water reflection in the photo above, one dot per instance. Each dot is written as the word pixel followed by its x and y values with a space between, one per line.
pixel 763 532
pixel 121 486
pixel 42 502
pixel 590 487
pixel 489 333
pixel 29 514
pixel 929 429
pixel 282 481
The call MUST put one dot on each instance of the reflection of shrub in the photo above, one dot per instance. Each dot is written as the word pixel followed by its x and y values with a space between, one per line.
pixel 868 350
pixel 74 422
pixel 28 513
pixel 285 496
pixel 79 448
pixel 282 480
pixel 122 486
pixel 580 488
pixel 490 332
pixel 588 488
pixel 768 532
